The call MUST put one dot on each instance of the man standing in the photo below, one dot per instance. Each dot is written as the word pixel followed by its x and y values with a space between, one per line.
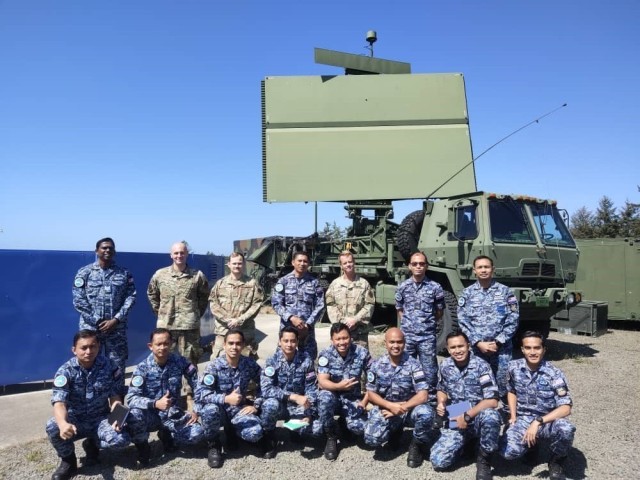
pixel 350 300
pixel 467 378
pixel 178 296
pixel 103 294
pixel 82 389
pixel 154 393
pixel 235 301
pixel 288 385
pixel 396 385
pixel 539 401
pixel 340 369
pixel 221 397
pixel 420 304
pixel 488 315
pixel 299 300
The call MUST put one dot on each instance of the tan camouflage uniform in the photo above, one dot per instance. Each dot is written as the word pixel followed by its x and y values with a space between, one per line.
pixel 179 299
pixel 355 299
pixel 240 300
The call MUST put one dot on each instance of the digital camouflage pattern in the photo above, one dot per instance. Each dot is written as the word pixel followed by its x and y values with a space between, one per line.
pixel 104 294
pixel 473 383
pixel 149 383
pixel 280 379
pixel 538 393
pixel 397 384
pixel 219 380
pixel 86 395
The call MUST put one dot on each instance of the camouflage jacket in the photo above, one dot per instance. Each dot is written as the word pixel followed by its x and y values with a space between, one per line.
pixel 177 298
pixel 239 300
pixel 346 299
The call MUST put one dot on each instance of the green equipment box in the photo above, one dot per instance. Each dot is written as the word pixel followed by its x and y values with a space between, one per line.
pixel 586 318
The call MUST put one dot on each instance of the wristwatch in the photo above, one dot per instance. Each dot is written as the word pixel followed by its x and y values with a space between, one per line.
pixel 539 419
pixel 466 417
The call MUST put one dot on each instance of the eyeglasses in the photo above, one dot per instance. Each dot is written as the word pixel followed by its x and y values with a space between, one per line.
pixel 418 264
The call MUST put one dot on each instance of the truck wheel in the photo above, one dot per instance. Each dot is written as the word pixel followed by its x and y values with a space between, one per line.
pixel 447 323
pixel 409 233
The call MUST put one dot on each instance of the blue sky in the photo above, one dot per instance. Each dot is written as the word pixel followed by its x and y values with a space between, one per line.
pixel 140 119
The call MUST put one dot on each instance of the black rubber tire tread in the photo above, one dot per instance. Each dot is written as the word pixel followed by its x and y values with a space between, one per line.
pixel 408 234
pixel 448 322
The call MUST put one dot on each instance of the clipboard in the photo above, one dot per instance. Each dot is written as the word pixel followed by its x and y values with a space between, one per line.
pixel 455 410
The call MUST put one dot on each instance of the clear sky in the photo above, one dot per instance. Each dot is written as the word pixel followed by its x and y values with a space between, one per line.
pixel 140 119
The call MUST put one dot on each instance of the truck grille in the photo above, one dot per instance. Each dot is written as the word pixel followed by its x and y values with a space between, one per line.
pixel 537 269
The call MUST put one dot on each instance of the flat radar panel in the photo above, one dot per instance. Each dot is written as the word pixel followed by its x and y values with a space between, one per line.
pixel 365 137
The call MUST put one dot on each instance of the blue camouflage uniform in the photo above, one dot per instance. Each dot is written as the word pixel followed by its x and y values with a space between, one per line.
pixel 419 302
pixel 280 379
pixel 149 383
pixel 473 383
pixel 301 297
pixel 397 384
pixel 86 394
pixel 346 403
pixel 219 380
pixel 102 294
pixel 490 315
pixel 538 393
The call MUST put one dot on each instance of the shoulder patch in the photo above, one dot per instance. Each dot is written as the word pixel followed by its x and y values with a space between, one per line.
pixel 78 282
pixel 484 380
pixel 461 302
pixel 209 380
pixel 561 391
pixel 279 287
pixel 269 371
pixel 60 381
pixel 323 361
pixel 371 377
pixel 137 381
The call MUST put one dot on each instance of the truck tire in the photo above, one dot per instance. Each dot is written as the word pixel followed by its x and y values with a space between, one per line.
pixel 409 233
pixel 447 323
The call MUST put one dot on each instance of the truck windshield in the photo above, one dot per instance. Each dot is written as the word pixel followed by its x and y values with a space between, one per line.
pixel 509 223
pixel 551 228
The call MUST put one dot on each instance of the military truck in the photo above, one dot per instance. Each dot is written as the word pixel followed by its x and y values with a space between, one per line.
pixel 526 237
pixel 378 134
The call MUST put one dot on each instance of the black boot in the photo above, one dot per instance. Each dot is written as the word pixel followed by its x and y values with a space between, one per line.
pixel 331 447
pixel 483 465
pixel 68 468
pixel 414 458
pixel 214 458
pixel 167 440
pixel 144 454
pixel 91 452
pixel 556 468
pixel 269 444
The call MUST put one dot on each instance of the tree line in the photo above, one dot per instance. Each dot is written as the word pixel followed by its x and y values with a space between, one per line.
pixel 607 220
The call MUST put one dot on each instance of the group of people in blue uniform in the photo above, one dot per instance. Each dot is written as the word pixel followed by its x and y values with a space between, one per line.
pixel 317 394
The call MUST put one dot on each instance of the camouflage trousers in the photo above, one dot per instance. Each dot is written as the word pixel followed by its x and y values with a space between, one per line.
pixel 187 344
pixel 250 349
pixel 423 348
pixel 113 345
pixel 377 429
pixel 273 410
pixel 560 434
pixel 485 426
pixel 140 422
pixel 330 404
pixel 499 362
pixel 212 417
pixel 99 430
